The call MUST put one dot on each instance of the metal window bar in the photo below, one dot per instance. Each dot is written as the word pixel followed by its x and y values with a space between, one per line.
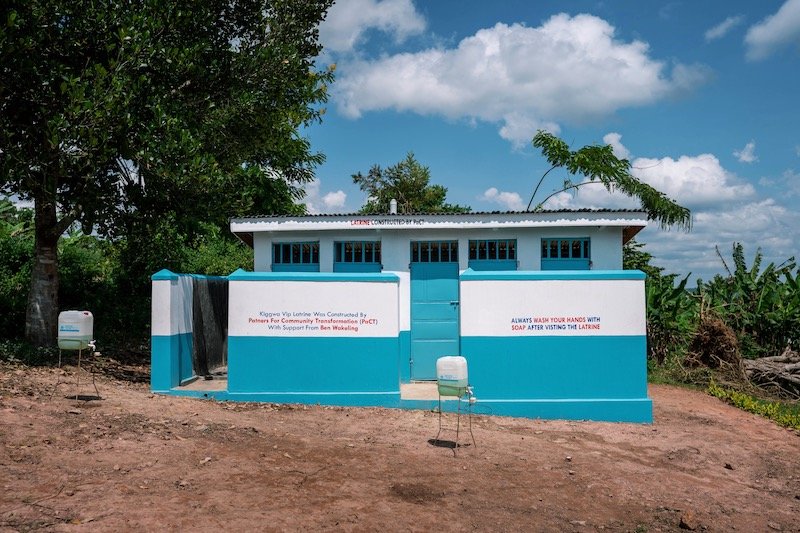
pixel 576 249
pixel 295 253
pixel 562 248
pixel 430 252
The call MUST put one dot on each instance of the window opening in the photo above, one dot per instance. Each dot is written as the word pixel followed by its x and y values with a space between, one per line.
pixel 565 248
pixel 295 253
pixel 493 254
pixel 357 252
pixel 493 250
pixel 566 254
pixel 434 252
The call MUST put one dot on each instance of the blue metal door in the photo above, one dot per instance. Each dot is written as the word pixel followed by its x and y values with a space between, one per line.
pixel 434 311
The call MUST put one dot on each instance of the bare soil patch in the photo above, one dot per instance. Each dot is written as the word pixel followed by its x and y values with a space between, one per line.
pixel 134 461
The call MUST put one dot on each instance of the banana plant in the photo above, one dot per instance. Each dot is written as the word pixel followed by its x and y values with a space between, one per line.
pixel 760 305
pixel 671 315
pixel 11 224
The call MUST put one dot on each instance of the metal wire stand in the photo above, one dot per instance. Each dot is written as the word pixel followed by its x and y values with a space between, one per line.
pixel 77 377
pixel 468 393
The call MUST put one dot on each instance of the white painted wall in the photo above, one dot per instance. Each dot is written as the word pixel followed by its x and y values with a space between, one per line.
pixel 171 309
pixel 507 308
pixel 260 308
pixel 262 252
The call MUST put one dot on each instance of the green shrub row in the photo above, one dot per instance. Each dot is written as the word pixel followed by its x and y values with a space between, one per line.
pixel 786 414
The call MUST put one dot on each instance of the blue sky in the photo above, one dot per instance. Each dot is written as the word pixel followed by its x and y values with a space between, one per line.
pixel 700 96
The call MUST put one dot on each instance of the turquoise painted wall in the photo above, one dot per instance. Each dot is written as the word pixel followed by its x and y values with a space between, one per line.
pixel 322 365
pixel 170 361
pixel 557 367
pixel 577 378
pixel 404 356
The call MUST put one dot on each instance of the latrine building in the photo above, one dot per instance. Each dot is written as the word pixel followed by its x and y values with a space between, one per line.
pixel 344 309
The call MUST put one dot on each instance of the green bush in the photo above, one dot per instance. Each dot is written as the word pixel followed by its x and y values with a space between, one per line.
pixel 762 306
pixel 16 254
pixel 90 270
pixel 214 254
pixel 18 351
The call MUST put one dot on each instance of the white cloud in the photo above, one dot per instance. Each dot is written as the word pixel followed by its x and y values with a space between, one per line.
pixel 756 218
pixel 719 31
pixel 665 11
pixel 791 181
pixel 316 203
pixel 774 31
pixel 615 140
pixel 519 128
pixel 766 182
pixel 511 201
pixel 592 196
pixel 693 181
pixel 761 224
pixel 349 20
pixel 697 182
pixel 567 69
pixel 724 210
pixel 747 154
pixel 334 199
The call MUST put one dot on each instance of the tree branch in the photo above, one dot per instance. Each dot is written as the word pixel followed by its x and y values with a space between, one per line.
pixel 66 221
pixel 574 186
pixel 537 187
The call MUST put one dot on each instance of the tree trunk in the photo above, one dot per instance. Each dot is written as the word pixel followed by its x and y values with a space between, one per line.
pixel 781 372
pixel 42 312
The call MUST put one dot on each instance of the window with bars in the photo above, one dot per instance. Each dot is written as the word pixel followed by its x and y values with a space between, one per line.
pixel 357 256
pixel 434 252
pixel 566 253
pixel 493 250
pixel 295 257
pixel 493 254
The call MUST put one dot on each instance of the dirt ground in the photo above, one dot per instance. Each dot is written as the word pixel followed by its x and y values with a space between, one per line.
pixel 134 461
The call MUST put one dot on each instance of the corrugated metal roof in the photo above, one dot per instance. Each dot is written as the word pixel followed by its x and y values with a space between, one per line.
pixel 343 215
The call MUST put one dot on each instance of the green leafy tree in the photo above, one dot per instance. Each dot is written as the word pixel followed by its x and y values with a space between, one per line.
pixel 119 115
pixel 16 250
pixel 596 164
pixel 408 182
pixel 635 257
